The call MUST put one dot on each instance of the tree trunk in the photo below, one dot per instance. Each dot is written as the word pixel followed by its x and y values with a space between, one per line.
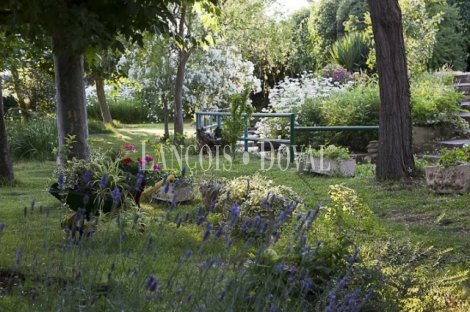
pixel 183 56
pixel 166 118
pixel 6 168
pixel 395 157
pixel 71 102
pixel 105 112
pixel 24 109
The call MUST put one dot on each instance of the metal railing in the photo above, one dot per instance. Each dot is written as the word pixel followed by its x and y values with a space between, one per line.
pixel 293 129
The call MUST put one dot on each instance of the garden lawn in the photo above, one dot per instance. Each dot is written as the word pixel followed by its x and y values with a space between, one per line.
pixel 405 214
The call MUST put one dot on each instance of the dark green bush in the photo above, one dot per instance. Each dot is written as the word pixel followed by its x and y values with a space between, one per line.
pixel 450 46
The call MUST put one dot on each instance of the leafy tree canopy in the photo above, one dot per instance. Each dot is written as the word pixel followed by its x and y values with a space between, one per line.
pixel 85 23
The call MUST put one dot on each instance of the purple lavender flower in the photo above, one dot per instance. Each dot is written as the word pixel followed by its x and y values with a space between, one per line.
pixel 219 231
pixel 207 232
pixel 104 180
pixel 19 253
pixel 188 253
pixel 212 207
pixel 116 194
pixel 167 188
pixel 32 205
pixel 235 210
pixel 86 199
pixel 183 172
pixel 245 225
pixel 61 181
pixel 140 178
pixel 149 242
pixel 151 284
pixel 2 226
pixel 87 175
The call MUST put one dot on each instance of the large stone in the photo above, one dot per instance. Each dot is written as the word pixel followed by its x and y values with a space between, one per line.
pixel 424 137
pixel 451 179
pixel 329 167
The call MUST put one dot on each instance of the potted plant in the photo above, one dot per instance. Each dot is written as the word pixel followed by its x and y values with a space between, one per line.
pixel 330 160
pixel 452 175
pixel 105 181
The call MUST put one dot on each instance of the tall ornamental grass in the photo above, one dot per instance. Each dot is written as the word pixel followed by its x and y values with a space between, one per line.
pixel 33 139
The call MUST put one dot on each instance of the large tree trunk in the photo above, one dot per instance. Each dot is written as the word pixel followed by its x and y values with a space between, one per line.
pixel 166 118
pixel 395 157
pixel 71 102
pixel 24 109
pixel 6 168
pixel 105 112
pixel 178 117
pixel 183 56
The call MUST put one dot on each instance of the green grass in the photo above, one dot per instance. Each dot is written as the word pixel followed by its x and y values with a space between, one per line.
pixel 405 213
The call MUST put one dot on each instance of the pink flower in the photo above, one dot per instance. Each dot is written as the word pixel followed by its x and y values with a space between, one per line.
pixel 156 167
pixel 129 147
pixel 148 159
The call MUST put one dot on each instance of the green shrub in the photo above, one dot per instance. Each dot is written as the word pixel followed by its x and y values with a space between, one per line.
pixel 256 196
pixel 455 157
pixel 434 101
pixel 357 107
pixel 35 138
pixel 97 127
pixel 332 152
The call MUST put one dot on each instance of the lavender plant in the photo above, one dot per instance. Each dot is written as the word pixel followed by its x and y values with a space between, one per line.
pixel 110 269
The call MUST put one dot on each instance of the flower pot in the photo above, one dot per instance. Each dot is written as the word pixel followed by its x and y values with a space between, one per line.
pixel 451 179
pixel 328 167
pixel 75 200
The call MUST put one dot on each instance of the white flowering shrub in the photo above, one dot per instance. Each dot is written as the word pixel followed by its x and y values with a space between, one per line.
pixel 289 96
pixel 212 76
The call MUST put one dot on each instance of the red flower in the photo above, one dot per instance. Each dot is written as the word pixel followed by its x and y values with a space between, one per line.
pixel 127 160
